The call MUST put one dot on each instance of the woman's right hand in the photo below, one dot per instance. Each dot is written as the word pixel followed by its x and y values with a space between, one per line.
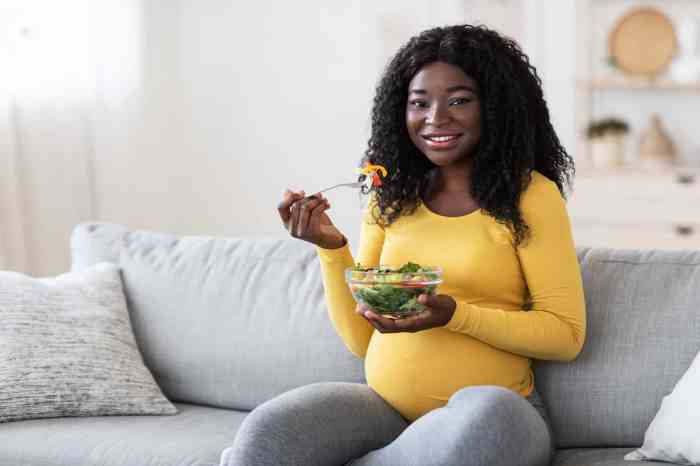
pixel 305 218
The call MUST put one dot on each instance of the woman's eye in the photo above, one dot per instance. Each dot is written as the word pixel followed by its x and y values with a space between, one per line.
pixel 460 100
pixel 417 103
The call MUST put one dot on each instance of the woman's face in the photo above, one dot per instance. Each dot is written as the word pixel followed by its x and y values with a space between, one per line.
pixel 443 113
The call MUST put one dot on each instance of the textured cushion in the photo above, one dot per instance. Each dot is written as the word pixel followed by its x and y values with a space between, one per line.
pixel 223 322
pixel 596 457
pixel 674 434
pixel 643 311
pixel 67 348
pixel 196 436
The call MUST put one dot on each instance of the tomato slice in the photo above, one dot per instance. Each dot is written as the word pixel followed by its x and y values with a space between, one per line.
pixel 412 285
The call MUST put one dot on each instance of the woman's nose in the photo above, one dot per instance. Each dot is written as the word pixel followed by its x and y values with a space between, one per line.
pixel 437 115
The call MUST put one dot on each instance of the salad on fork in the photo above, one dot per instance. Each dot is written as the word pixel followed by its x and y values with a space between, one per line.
pixel 303 216
pixel 371 179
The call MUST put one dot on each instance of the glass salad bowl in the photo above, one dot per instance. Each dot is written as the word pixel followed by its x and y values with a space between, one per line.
pixel 393 292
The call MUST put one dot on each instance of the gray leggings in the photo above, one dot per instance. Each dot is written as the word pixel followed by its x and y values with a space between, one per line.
pixel 334 424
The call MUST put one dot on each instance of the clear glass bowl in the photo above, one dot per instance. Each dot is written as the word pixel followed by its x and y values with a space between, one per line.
pixel 390 293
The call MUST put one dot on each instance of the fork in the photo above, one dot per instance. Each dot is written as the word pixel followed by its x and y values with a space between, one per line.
pixel 355 184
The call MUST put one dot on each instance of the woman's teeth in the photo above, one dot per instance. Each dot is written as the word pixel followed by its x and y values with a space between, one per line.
pixel 441 138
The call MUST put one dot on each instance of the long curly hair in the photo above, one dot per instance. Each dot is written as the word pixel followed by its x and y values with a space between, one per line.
pixel 517 135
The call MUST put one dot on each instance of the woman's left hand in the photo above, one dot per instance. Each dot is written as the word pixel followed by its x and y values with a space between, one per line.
pixel 438 312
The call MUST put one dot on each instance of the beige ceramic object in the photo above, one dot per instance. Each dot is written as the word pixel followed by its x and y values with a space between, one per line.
pixel 656 149
pixel 643 42
pixel 608 151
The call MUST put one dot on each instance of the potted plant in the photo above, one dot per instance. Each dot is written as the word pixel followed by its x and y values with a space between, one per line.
pixel 607 136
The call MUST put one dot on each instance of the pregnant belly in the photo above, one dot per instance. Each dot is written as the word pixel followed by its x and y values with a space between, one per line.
pixel 418 372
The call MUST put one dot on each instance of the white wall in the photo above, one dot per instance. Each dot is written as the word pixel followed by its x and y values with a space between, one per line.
pixel 276 97
pixel 280 97
pixel 145 172
pixel 193 116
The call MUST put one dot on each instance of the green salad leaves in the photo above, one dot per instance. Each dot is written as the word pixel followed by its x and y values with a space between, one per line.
pixel 391 292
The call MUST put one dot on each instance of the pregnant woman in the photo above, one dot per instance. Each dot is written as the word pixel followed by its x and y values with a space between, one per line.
pixel 475 184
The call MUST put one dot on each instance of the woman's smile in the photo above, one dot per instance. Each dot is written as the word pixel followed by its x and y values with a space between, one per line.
pixel 439 143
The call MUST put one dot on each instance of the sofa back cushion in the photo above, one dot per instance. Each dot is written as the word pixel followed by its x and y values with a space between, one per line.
pixel 223 322
pixel 643 331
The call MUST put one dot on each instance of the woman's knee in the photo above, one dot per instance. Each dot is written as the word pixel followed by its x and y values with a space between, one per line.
pixel 479 426
pixel 501 406
pixel 308 406
pixel 507 417
pixel 315 424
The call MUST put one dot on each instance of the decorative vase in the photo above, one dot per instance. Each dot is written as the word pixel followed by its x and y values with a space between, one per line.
pixel 656 149
pixel 686 66
pixel 608 151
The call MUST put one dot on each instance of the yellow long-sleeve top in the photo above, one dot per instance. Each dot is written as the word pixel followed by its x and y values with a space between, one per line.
pixel 491 337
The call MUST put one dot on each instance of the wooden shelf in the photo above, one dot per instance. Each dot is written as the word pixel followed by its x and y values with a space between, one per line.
pixel 639 84
pixel 673 171
pixel 692 2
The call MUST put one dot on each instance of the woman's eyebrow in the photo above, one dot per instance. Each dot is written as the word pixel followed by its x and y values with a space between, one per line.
pixel 461 87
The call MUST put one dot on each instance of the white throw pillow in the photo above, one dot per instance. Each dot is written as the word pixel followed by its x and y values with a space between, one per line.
pixel 67 348
pixel 674 433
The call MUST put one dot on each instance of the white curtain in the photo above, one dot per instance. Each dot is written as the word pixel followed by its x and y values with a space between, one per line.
pixel 59 69
pixel 12 248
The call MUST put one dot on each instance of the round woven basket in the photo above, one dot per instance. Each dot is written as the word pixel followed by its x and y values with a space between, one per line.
pixel 643 42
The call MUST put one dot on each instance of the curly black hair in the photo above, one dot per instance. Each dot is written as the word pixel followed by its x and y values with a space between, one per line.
pixel 517 135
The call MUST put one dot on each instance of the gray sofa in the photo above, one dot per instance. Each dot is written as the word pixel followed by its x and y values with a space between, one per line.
pixel 226 324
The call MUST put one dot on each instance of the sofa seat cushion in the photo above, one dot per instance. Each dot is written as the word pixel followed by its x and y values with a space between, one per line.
pixel 596 457
pixel 195 436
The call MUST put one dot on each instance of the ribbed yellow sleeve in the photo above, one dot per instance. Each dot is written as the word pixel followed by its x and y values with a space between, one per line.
pixel 555 327
pixel 352 328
